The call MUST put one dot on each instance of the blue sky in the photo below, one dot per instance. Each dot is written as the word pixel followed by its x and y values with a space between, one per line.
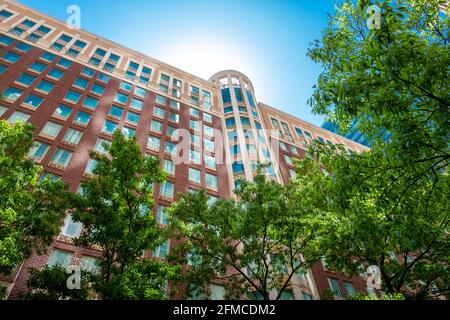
pixel 266 40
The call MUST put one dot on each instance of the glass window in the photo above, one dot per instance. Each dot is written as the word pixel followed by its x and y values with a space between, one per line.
pixel 207 130
pixel 90 103
pixel 81 83
pixel 38 151
pixel 195 157
pixel 64 63
pixel 33 101
pixel 168 166
pixel 55 74
pixel 90 264
pixel 82 118
pixel 194 176
pixel 98 89
pixel 37 67
pixel 25 79
pixel 174 105
pixel 128 132
pixel 70 228
pixel 156 126
pixel 132 117
pixel 88 72
pixel 139 92
pixel 62 111
pixel 237 167
pixel 91 166
pixel 207 117
pixel 102 145
pixel 174 117
pixel 18 116
pixel 245 121
pixel 194 112
pixel 162 216
pixel 6 40
pixel 230 122
pixel 287 294
pixel 72 96
pixel 195 140
pixel 170 148
pixel 194 124
pixel 115 111
pixel 167 190
pixel 51 129
pixel 45 86
pixel 12 94
pixel 125 86
pixel 121 98
pixel 209 145
pixel 73 136
pixel 161 99
pixel 334 286
pixel 61 157
pixel 154 143
pixel 11 57
pixel 136 104
pixel 217 292
pixel 103 77
pixel 158 112
pixel 172 132
pixel 228 110
pixel 288 159
pixel 60 258
pixel 47 56
pixel 2 68
pixel 210 161
pixel 349 288
pixel 162 251
pixel 211 181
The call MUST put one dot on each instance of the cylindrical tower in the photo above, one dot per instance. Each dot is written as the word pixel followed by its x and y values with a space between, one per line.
pixel 245 138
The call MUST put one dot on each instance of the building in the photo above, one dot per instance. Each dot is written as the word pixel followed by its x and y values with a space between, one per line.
pixel 77 88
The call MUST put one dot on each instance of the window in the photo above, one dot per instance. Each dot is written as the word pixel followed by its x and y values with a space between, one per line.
pixel 166 190
pixel 292 174
pixel 194 176
pixel 210 161
pixel 61 157
pixel 334 286
pixel 153 143
pixel 37 67
pixel 211 181
pixel 163 88
pixel 237 168
pixel 209 145
pixel 288 159
pixel 294 150
pixel 91 166
pixel 82 118
pixel 72 96
pixel 51 129
pixel 228 110
pixel 64 63
pixel 245 121
pixel 4 14
pixel 217 292
pixel 161 100
pixel 287 294
pixel 194 112
pixel 90 264
pixel 195 157
pixel 251 149
pixel 102 145
pixel 47 56
pixel 128 132
pixel 115 111
pixel 11 57
pixel 193 124
pixel 170 148
pixel 38 151
pixel 230 122
pixel 2 68
pixel 45 86
pixel 12 94
pixel 98 89
pixel 121 98
pixel 235 149
pixel 25 79
pixel 161 215
pixel 207 117
pixel 349 288
pixel 174 117
pixel 18 116
pixel 73 136
pixel 55 74
pixel 136 104
pixel 242 109
pixel 60 258
pixel 62 112
pixel 132 117
pixel 80 83
pixel 90 103
pixel 5 40
pixel 162 251
pixel 168 166
pixel 195 140
pixel 125 86
pixel 299 132
pixel 158 112
pixel 172 132
pixel 208 131
pixel 139 92
pixel 88 72
pixel 33 101
pixel 103 77
pixel 156 126
pixel 70 228
pixel 308 135
pixel 23 47
pixel 174 105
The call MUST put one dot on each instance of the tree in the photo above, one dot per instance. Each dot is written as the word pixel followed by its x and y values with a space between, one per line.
pixel 115 209
pixel 30 213
pixel 254 245
pixel 392 202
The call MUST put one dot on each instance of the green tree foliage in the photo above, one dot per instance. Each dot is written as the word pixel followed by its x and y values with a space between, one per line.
pixel 256 244
pixel 391 204
pixel 30 213
pixel 115 209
